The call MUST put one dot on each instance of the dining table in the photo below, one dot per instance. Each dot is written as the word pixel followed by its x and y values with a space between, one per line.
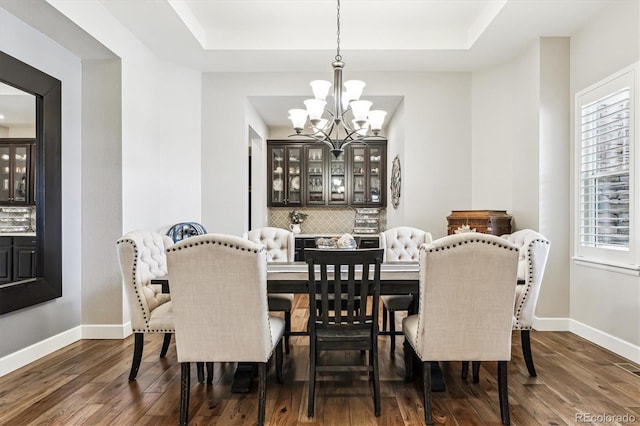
pixel 293 277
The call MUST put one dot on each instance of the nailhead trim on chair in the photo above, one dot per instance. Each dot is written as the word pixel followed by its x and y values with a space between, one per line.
pixel 431 250
pixel 261 249
pixel 146 319
pixel 528 286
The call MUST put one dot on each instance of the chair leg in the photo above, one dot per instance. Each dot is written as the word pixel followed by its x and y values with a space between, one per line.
pixel 465 370
pixel 185 385
pixel 138 345
pixel 165 344
pixel 426 382
pixel 392 330
pixel 209 373
pixel 200 371
pixel 503 392
pixel 262 391
pixel 475 365
pixel 384 317
pixel 408 361
pixel 312 378
pixel 526 352
pixel 287 330
pixel 279 357
pixel 376 377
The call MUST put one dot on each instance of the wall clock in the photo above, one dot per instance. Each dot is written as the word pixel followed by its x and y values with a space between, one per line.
pixel 395 182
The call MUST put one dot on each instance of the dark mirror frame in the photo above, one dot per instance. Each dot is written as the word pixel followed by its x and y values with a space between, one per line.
pixel 48 193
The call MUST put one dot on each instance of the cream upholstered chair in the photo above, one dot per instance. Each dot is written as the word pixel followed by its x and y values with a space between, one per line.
pixel 467 290
pixel 219 294
pixel 280 248
pixel 142 258
pixel 400 244
pixel 534 251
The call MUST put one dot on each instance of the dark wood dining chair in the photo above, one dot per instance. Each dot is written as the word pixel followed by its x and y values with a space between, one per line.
pixel 343 311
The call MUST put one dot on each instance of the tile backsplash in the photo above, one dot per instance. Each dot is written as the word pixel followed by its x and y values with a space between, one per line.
pixel 17 219
pixel 326 220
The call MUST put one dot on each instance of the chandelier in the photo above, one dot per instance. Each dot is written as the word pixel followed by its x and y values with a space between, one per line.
pixel 351 120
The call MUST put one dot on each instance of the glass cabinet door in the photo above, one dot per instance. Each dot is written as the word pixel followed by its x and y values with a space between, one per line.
pixel 20 176
pixel 294 167
pixel 277 176
pixel 375 167
pixel 315 175
pixel 359 180
pixel 5 174
pixel 337 180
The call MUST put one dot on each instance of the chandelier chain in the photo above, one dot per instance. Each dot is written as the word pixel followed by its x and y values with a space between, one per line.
pixel 338 56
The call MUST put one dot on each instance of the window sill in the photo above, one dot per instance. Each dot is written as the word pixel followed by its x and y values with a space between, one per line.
pixel 633 270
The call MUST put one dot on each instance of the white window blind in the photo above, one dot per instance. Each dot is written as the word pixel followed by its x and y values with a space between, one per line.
pixel 606 153
pixel 604 172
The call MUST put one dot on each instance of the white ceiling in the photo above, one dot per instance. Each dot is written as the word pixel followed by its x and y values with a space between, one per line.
pixel 17 108
pixel 300 35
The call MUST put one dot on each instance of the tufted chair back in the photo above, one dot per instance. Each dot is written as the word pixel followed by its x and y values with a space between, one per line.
pixel 219 290
pixel 142 258
pixel 467 288
pixel 533 253
pixel 278 242
pixel 402 243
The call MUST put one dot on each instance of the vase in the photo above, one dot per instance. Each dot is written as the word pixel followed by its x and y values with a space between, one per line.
pixel 295 228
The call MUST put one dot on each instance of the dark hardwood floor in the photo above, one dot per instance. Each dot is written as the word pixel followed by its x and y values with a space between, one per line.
pixel 86 383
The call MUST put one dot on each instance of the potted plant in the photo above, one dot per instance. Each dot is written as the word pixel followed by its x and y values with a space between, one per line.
pixel 296 219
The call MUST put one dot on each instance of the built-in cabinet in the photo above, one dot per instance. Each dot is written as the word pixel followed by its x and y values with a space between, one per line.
pixel 17 258
pixel 308 174
pixel 16 171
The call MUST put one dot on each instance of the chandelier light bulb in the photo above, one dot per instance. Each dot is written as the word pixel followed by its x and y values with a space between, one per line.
pixel 315 108
pixel 298 118
pixel 376 119
pixel 354 88
pixel 320 89
pixel 360 111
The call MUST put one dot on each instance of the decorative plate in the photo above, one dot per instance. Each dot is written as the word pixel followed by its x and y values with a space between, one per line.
pixel 295 183
pixel 395 182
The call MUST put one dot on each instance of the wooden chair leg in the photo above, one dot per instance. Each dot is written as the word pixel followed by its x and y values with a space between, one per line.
pixel 526 352
pixel 465 370
pixel 392 330
pixel 200 371
pixel 408 361
pixel 165 344
pixel 138 345
pixel 287 330
pixel 209 373
pixel 426 381
pixel 185 385
pixel 384 317
pixel 376 377
pixel 262 391
pixel 503 392
pixel 475 365
pixel 312 378
pixel 279 357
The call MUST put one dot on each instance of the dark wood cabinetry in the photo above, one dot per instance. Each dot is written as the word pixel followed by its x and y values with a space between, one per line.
pixel 307 174
pixel 16 171
pixel 495 222
pixel 17 258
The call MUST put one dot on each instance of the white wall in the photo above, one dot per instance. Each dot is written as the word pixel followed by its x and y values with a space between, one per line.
pixel 160 125
pixel 42 321
pixel 395 134
pixel 437 141
pixel 605 304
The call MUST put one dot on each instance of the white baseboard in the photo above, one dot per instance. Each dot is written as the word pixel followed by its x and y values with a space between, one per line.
pixel 551 324
pixel 38 350
pixel 607 341
pixel 106 331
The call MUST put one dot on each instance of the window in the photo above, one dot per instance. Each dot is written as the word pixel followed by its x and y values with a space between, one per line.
pixel 605 168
